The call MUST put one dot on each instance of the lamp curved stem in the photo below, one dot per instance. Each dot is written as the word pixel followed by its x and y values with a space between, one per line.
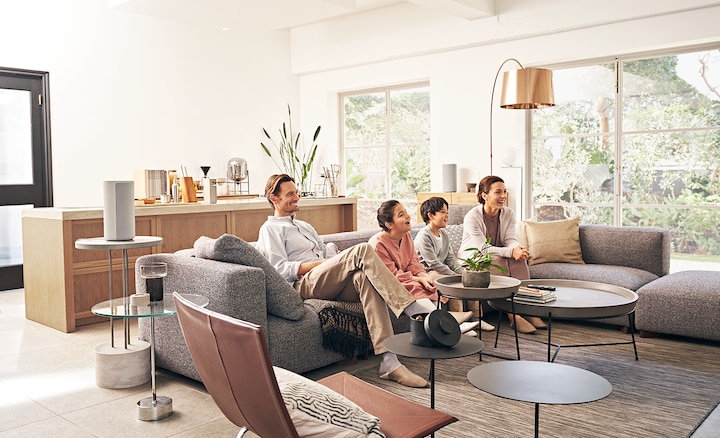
pixel 492 102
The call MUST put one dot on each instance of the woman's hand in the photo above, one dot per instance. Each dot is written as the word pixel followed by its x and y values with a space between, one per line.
pixel 520 253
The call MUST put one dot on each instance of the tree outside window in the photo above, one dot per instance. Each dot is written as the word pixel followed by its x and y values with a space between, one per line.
pixel 636 142
pixel 386 146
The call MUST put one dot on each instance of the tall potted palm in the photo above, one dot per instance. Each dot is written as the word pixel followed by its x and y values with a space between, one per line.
pixel 292 159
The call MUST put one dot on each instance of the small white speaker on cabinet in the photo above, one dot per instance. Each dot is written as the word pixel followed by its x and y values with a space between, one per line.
pixel 449 177
pixel 119 210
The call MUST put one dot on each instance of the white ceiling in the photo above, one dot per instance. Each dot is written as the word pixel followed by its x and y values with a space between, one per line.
pixel 284 14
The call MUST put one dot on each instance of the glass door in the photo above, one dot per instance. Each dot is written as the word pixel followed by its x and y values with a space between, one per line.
pixel 25 176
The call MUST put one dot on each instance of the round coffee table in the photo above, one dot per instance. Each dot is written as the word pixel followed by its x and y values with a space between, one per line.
pixel 576 300
pixel 401 345
pixel 500 287
pixel 539 382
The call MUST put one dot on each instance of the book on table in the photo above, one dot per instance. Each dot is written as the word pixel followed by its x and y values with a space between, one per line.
pixel 531 295
pixel 541 300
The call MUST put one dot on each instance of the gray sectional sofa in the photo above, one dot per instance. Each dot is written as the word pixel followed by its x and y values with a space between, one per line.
pixel 631 257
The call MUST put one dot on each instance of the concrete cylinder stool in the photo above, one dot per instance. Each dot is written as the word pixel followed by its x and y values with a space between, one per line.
pixel 685 303
pixel 118 367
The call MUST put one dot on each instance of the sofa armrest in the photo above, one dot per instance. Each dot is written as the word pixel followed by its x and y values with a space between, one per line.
pixel 646 248
pixel 234 290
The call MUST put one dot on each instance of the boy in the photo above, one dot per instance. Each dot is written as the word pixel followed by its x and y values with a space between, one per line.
pixel 433 246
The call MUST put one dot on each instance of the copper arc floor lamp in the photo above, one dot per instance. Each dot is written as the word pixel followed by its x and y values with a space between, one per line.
pixel 526 88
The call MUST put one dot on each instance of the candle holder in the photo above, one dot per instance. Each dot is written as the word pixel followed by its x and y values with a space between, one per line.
pixel 154 273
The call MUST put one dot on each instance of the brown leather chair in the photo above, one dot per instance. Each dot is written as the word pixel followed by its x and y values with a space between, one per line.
pixel 233 360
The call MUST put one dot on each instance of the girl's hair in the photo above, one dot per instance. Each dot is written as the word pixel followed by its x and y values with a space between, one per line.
pixel 484 186
pixel 432 205
pixel 385 213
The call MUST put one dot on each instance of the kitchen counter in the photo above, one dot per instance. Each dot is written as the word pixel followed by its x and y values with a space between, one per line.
pixel 62 283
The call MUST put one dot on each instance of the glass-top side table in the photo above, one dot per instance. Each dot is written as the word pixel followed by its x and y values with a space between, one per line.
pixel 123 366
pixel 150 408
pixel 100 243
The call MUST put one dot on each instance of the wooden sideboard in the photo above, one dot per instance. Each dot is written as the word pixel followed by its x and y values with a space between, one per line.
pixel 62 283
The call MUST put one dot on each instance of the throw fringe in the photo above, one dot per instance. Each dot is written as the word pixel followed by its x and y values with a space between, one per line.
pixel 344 332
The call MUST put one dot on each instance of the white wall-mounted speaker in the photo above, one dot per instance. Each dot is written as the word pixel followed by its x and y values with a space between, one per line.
pixel 119 210
pixel 449 178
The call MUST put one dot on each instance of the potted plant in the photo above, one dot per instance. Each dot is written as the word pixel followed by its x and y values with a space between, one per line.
pixel 477 266
pixel 294 162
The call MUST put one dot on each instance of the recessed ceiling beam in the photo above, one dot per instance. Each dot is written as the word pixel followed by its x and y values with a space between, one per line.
pixel 467 9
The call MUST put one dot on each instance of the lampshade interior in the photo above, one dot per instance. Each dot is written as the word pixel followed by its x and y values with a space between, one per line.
pixel 527 88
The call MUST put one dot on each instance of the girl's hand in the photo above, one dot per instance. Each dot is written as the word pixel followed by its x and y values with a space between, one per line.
pixel 427 282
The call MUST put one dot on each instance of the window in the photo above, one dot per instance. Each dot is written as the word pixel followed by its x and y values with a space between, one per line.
pixel 635 142
pixel 386 147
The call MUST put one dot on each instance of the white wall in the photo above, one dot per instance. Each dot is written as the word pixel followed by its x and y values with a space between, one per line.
pixel 460 59
pixel 129 91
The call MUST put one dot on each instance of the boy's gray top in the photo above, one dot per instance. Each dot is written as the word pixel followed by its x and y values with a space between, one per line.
pixel 435 253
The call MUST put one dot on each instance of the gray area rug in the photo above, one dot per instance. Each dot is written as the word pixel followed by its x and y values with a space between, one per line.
pixel 666 393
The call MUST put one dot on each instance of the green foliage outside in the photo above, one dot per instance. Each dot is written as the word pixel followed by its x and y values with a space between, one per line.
pixel 670 173
pixel 375 149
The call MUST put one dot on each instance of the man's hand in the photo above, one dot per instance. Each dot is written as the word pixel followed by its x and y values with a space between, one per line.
pixel 308 266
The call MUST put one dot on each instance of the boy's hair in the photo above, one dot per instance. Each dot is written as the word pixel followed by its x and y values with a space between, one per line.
pixel 432 205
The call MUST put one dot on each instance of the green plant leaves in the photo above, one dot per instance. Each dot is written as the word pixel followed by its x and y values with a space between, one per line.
pixel 292 160
pixel 481 259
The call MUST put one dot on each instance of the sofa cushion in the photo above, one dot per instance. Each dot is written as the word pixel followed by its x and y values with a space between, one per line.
pixel 317 410
pixel 554 241
pixel 282 300
pixel 629 278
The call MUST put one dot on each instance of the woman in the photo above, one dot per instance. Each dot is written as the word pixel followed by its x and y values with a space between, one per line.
pixel 395 247
pixel 495 220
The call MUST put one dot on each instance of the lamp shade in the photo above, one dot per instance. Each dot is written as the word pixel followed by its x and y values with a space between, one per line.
pixel 527 88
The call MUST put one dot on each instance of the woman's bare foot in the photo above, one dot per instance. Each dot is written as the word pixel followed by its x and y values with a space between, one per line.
pixel 537 322
pixel 522 325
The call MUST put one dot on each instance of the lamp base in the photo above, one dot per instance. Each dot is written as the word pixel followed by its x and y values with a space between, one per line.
pixel 148 410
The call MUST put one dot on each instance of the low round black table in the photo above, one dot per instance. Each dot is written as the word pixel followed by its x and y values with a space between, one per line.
pixel 539 382
pixel 576 300
pixel 401 345
pixel 500 287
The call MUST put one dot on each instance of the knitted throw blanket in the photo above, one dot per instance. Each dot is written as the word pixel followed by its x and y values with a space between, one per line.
pixel 343 327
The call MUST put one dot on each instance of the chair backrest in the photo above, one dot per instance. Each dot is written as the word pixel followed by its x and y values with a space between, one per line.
pixel 233 360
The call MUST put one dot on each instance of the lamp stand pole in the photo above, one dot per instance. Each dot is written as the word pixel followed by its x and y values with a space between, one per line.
pixel 492 102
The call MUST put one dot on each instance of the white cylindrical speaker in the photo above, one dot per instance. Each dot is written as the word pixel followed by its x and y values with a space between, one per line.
pixel 449 178
pixel 119 210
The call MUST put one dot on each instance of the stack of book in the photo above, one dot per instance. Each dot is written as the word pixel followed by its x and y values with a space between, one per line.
pixel 527 294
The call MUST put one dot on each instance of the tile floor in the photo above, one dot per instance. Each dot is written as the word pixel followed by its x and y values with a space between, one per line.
pixel 47 387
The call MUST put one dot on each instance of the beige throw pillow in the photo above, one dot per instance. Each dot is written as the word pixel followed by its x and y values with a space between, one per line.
pixel 555 241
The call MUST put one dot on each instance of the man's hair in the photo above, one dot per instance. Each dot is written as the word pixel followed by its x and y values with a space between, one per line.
pixel 432 205
pixel 484 186
pixel 273 185
pixel 385 213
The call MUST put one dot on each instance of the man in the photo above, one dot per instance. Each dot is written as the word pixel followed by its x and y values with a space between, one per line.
pixel 295 249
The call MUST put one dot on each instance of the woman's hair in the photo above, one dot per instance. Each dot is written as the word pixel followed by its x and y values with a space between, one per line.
pixel 432 205
pixel 272 187
pixel 386 213
pixel 484 186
